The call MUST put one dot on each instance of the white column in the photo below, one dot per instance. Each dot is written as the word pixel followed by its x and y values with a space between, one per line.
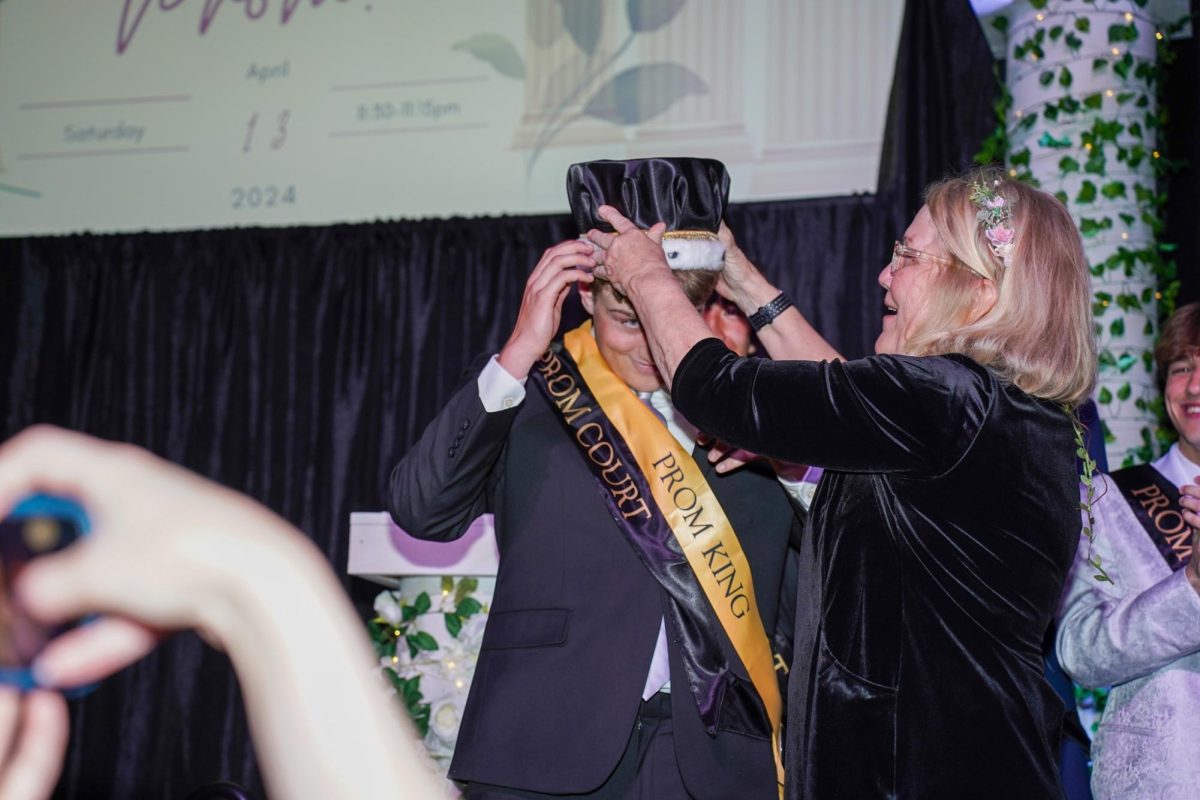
pixel 1081 126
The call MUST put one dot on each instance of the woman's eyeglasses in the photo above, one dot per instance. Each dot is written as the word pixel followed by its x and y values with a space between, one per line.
pixel 901 251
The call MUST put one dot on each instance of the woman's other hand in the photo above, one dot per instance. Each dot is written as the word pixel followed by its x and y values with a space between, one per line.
pixel 740 279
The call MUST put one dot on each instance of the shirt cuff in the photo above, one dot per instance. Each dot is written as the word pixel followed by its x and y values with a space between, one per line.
pixel 497 389
pixel 800 486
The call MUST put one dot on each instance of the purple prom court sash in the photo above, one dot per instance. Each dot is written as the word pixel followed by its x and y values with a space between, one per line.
pixel 668 513
pixel 1154 500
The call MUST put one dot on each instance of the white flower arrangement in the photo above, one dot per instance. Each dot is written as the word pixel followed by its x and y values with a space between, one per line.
pixel 427 638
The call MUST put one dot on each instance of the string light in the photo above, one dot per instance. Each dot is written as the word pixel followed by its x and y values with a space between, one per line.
pixel 1116 52
pixel 395 659
pixel 1124 234
pixel 1033 56
pixel 1128 16
pixel 1108 93
pixel 458 684
pixel 1020 113
pixel 1012 173
pixel 1104 303
pixel 1158 35
pixel 1156 154
pixel 396 632
pixel 1087 146
pixel 1158 295
pixel 1039 16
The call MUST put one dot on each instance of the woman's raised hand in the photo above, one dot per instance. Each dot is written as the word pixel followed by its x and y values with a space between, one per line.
pixel 630 253
pixel 740 280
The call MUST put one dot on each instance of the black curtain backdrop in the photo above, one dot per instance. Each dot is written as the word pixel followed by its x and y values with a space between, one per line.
pixel 1182 212
pixel 297 364
pixel 940 112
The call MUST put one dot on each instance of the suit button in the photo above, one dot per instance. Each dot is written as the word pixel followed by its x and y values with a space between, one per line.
pixel 466 424
pixel 451 451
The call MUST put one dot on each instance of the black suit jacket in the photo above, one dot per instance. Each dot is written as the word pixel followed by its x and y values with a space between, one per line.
pixel 575 614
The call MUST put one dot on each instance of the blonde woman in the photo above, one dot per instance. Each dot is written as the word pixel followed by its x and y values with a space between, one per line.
pixel 947 519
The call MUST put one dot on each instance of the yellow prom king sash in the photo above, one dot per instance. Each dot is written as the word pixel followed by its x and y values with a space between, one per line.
pixel 696 519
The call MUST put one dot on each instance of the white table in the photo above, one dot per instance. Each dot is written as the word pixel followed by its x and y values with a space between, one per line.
pixel 382 552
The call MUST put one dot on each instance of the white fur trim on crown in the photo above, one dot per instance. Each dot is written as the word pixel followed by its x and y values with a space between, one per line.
pixel 694 253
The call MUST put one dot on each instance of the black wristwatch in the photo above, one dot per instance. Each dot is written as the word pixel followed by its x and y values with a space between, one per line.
pixel 766 314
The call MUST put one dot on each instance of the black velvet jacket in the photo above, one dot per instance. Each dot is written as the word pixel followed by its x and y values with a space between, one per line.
pixel 936 549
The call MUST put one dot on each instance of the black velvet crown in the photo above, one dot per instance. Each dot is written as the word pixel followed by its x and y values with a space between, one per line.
pixel 688 194
pixel 685 193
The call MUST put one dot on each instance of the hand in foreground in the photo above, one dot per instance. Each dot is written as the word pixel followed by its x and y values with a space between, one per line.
pixel 541 306
pixel 33 740
pixel 163 547
pixel 170 549
pixel 629 253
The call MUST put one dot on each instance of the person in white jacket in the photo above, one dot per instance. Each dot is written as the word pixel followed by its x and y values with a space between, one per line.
pixel 1140 633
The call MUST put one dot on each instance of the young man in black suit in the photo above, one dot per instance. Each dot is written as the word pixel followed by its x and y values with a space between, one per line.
pixel 625 647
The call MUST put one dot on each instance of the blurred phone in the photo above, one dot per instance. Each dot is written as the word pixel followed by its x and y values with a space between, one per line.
pixel 37 526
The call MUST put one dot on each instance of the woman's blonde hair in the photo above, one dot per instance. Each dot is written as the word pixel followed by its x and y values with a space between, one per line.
pixel 1038 333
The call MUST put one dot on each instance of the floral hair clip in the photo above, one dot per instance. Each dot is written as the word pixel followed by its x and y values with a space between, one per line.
pixel 996 215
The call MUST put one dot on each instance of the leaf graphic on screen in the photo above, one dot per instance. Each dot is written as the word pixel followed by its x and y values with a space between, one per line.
pixel 583 19
pixel 564 81
pixel 643 92
pixel 495 50
pixel 650 15
pixel 8 188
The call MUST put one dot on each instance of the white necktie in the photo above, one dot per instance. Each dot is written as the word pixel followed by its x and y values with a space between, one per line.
pixel 658 679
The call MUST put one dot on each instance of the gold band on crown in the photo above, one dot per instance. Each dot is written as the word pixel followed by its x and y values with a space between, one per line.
pixel 705 235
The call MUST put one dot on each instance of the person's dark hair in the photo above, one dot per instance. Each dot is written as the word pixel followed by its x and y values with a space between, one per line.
pixel 1180 338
